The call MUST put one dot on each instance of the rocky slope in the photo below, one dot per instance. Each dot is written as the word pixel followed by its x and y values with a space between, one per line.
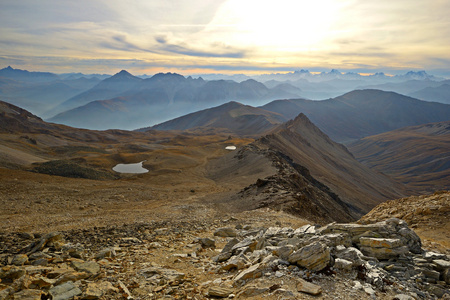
pixel 426 214
pixel 230 258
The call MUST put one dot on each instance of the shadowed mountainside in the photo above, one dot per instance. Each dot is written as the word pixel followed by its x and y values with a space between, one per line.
pixel 418 156
pixel 362 113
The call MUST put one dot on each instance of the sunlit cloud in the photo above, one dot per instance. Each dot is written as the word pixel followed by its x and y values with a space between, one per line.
pixel 229 35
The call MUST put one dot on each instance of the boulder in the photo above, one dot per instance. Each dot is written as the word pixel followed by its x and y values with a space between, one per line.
pixel 236 262
pixel 446 276
pixel 43 282
pixel 351 254
pixel 308 287
pixel 252 272
pixel 283 252
pixel 382 248
pixel 314 257
pixel 64 291
pixel 441 265
pixel 28 295
pixel 107 252
pixel 53 239
pixel 168 274
pixel 19 259
pixel 343 264
pixel 251 291
pixel 222 257
pixel 229 246
pixel 225 232
pixel 90 267
pixel 70 276
pixel 410 239
pixel 247 242
pixel 219 291
pixel 207 243
pixel 95 290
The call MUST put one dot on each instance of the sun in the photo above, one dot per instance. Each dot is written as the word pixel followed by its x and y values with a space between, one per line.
pixel 281 25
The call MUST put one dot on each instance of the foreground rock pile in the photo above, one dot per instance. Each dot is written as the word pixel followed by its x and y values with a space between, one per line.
pixel 384 260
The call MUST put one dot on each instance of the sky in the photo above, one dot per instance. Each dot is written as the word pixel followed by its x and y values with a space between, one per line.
pixel 225 36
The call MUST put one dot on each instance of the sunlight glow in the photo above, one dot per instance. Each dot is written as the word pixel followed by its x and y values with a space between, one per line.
pixel 282 25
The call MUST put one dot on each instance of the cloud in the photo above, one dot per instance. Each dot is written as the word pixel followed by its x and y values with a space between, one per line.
pixel 226 34
pixel 216 50
pixel 120 42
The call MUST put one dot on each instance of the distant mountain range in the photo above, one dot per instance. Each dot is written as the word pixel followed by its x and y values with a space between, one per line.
pixel 334 83
pixel 132 102
pixel 128 102
pixel 346 118
pixel 39 92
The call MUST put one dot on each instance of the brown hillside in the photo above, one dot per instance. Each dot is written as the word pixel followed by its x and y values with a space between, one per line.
pixel 418 156
pixel 235 117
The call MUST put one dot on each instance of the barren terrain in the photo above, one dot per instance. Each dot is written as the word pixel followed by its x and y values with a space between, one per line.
pixel 62 207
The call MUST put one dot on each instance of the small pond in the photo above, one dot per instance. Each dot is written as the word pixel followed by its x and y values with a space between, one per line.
pixel 136 168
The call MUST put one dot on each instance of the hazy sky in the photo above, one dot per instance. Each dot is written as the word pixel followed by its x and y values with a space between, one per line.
pixel 225 36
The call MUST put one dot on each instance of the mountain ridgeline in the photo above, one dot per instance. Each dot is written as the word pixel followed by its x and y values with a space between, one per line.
pixel 300 169
pixel 234 117
pixel 362 113
pixel 125 101
pixel 344 119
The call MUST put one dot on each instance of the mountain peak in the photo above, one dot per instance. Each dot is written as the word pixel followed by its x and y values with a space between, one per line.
pixel 168 74
pixel 302 124
pixel 124 72
pixel 122 75
pixel 302 71
pixel 417 75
